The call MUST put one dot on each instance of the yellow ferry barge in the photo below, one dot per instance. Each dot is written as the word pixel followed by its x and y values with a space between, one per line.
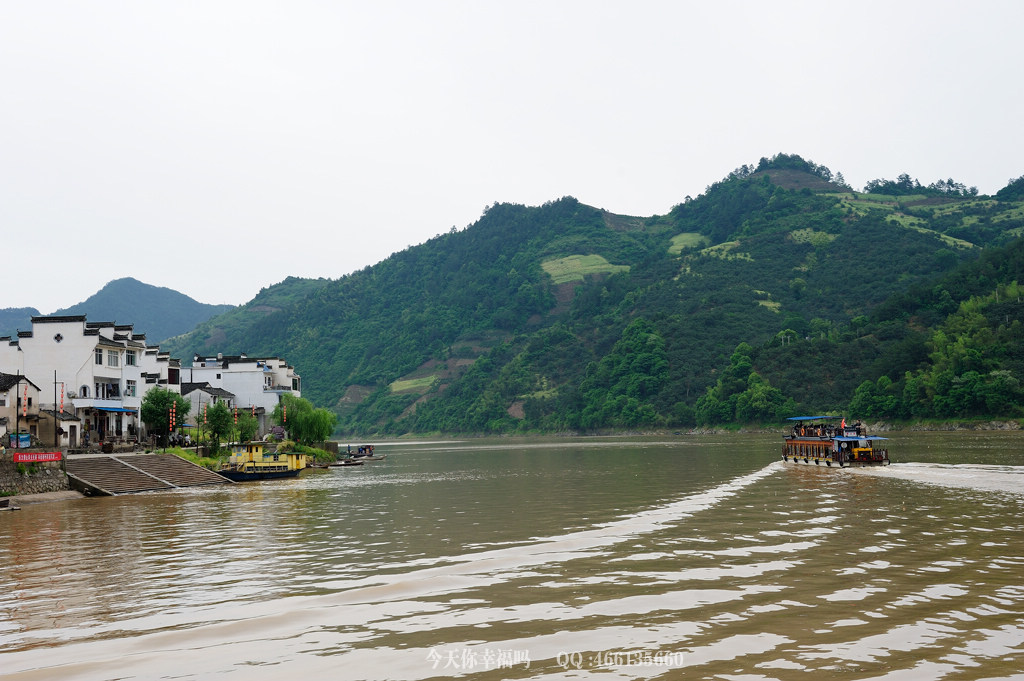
pixel 251 461
pixel 815 441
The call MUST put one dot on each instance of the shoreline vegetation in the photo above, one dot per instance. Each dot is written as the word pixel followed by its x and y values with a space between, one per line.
pixel 724 429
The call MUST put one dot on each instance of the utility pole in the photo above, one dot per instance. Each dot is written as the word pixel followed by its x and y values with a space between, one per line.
pixel 56 414
pixel 17 411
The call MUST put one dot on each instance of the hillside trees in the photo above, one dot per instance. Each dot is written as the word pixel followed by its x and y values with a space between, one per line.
pixel 156 411
pixel 829 291
pixel 741 394
pixel 1013 191
pixel 219 424
pixel 303 422
pixel 618 389
pixel 904 184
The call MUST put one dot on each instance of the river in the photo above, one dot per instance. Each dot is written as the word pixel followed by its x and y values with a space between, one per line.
pixel 699 557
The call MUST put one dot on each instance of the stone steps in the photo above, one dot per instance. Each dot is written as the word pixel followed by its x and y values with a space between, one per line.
pixel 175 470
pixel 126 474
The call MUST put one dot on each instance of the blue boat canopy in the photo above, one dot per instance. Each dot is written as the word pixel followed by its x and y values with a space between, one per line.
pixel 857 439
pixel 811 418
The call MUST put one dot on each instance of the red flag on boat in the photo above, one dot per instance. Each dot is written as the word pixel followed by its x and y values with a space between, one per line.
pixel 843 424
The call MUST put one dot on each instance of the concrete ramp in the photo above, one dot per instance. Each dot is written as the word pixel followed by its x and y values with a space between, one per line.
pixel 130 473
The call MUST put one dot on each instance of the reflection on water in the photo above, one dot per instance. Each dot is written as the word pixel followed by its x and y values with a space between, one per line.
pixel 598 558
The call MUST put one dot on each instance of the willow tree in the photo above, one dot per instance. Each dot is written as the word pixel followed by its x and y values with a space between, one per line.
pixel 218 424
pixel 303 422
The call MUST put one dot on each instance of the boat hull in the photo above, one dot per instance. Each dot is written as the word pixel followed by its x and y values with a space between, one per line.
pixel 247 476
pixel 831 463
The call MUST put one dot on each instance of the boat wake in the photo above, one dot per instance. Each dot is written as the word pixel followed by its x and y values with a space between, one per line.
pixel 989 478
pixel 239 633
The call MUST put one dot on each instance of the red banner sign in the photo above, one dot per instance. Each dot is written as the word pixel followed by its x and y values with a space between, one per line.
pixel 35 457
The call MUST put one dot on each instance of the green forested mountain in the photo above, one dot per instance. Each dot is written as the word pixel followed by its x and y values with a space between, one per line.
pixel 776 291
pixel 155 311
pixel 14 318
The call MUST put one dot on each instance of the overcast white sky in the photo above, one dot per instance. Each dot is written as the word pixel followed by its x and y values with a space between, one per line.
pixel 218 147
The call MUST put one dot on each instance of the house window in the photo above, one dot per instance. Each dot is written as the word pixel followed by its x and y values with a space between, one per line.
pixel 111 358
pixel 3 400
pixel 129 358
pixel 99 356
pixel 172 376
pixel 129 388
pixel 218 376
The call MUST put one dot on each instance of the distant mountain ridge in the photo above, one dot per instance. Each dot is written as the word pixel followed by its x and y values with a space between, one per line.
pixel 156 311
pixel 13 319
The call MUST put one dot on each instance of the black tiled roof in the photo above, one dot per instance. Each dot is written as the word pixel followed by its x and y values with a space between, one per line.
pixel 8 381
pixel 55 319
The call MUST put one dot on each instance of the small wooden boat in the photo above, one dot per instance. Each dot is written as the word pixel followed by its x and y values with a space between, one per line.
pixel 815 441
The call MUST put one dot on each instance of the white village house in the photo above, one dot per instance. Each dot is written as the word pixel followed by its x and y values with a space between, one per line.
pixel 99 370
pixel 253 384
pixel 19 405
pixel 99 373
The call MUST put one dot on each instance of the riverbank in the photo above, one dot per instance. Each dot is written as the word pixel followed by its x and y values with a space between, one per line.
pixel 44 497
pixel 950 425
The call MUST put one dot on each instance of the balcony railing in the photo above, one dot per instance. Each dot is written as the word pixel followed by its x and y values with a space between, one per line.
pixel 84 403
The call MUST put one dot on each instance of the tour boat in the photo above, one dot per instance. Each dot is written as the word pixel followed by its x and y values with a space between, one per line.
pixel 251 461
pixel 815 440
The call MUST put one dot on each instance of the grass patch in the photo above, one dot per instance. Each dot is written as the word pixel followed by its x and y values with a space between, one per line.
pixel 686 240
pixel 540 394
pixel 812 237
pixel 861 207
pixel 318 455
pixel 945 238
pixel 959 207
pixel 576 267
pixel 1015 213
pixel 213 463
pixel 906 220
pixel 724 251
pixel 414 385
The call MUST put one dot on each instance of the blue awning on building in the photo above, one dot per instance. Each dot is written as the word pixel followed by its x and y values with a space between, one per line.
pixel 119 410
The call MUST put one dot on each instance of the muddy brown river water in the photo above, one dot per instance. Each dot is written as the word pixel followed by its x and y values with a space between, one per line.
pixel 696 557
